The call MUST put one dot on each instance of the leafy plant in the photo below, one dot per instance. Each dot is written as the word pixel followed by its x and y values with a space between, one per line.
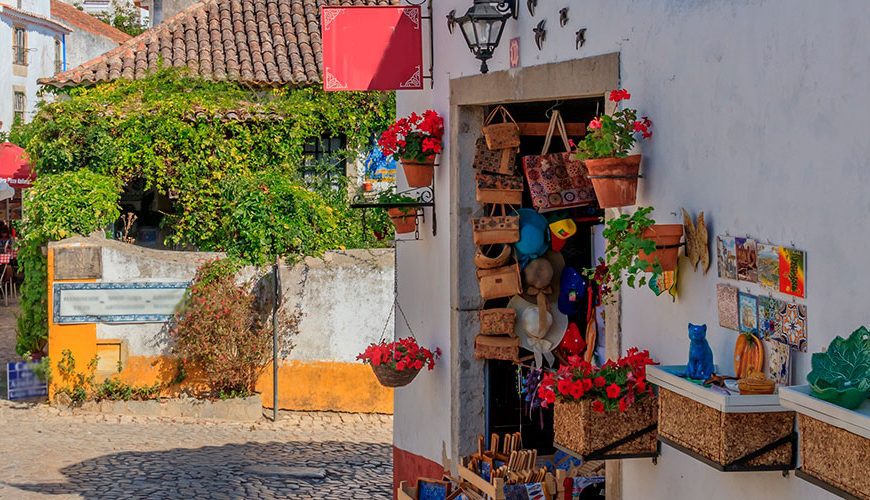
pixel 625 241
pixel 841 375
pixel 123 16
pixel 614 135
pixel 113 389
pixel 415 138
pixel 219 330
pixel 74 383
pixel 58 206
pixel 390 196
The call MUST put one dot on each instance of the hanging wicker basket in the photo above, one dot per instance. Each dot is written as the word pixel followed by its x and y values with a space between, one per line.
pixel 389 377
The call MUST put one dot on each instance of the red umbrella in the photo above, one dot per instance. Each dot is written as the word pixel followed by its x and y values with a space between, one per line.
pixel 15 166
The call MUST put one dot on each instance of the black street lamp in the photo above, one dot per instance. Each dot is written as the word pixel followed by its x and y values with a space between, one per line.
pixel 483 25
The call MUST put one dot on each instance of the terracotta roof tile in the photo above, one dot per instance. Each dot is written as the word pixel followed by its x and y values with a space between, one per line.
pixel 256 42
pixel 82 20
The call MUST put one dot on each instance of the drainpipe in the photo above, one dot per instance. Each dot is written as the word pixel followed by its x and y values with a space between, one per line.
pixel 63 51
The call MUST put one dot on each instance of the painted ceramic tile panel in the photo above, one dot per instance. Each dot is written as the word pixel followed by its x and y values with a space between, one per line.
pixel 726 257
pixel 792 272
pixel 779 361
pixel 768 319
pixel 793 326
pixel 748 309
pixel 747 259
pixel 768 266
pixel 726 298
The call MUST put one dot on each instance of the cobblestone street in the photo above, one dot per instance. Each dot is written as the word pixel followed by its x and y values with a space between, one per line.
pixel 50 453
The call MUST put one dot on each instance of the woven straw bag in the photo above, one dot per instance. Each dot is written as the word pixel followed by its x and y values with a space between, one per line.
pixel 494 229
pixel 499 321
pixel 502 348
pixel 499 282
pixel 483 261
pixel 503 135
pixel 499 189
pixel 498 161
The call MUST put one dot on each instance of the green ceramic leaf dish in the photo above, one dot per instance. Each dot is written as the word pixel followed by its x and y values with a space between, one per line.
pixel 841 375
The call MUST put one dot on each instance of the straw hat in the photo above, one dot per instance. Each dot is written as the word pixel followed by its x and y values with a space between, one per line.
pixel 539 333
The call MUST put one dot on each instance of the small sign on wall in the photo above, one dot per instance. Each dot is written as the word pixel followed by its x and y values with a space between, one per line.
pixel 23 383
pixel 515 52
pixel 142 302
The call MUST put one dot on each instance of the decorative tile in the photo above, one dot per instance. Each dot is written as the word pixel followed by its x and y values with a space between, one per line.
pixel 748 310
pixel 726 257
pixel 747 259
pixel 768 320
pixel 793 326
pixel 726 299
pixel 792 272
pixel 768 266
pixel 779 362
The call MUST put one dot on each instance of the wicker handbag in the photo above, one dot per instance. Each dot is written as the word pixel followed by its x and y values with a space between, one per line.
pixel 499 282
pixel 498 321
pixel 498 161
pixel 494 229
pixel 501 135
pixel 503 348
pixel 499 189
pixel 484 261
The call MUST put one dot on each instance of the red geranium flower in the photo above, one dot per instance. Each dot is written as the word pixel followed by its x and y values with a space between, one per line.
pixel 622 405
pixel 613 391
pixel 577 390
pixel 599 382
pixel 595 124
pixel 619 95
pixel 598 406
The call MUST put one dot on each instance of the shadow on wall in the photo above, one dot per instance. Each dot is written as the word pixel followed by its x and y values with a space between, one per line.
pixel 249 470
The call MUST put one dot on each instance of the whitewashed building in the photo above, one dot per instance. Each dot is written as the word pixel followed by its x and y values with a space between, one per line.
pixel 760 110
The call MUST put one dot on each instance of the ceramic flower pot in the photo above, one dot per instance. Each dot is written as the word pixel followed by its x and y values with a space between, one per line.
pixel 667 238
pixel 614 180
pixel 419 174
pixel 404 219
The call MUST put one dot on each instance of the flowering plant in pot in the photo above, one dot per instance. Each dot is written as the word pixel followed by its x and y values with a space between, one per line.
pixel 397 363
pixel 611 407
pixel 605 148
pixel 415 141
pixel 625 245
pixel 404 218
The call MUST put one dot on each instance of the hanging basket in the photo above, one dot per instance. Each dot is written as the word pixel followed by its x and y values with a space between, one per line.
pixel 419 174
pixel 389 377
pixel 615 180
pixel 667 238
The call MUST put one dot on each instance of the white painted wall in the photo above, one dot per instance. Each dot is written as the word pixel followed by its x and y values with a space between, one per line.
pixel 760 111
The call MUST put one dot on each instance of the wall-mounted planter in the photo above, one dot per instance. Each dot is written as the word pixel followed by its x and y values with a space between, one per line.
pixel 728 432
pixel 405 219
pixel 667 238
pixel 582 432
pixel 834 442
pixel 419 174
pixel 614 180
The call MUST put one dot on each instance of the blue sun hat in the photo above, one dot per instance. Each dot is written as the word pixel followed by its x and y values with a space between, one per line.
pixel 572 288
pixel 534 236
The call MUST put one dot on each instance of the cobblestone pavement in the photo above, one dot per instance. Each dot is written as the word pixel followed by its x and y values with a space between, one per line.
pixel 49 453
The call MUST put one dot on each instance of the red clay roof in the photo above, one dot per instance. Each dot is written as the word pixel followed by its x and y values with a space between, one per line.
pixel 79 19
pixel 255 42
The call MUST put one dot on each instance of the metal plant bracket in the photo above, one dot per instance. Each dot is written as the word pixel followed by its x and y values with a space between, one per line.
pixel 425 199
pixel 428 17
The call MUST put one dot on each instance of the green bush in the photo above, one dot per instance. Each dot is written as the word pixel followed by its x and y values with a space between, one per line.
pixel 58 206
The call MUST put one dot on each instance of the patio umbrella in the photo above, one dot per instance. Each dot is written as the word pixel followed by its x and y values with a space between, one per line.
pixel 6 191
pixel 15 170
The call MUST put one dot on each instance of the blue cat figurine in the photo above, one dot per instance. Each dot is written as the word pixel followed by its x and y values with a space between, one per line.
pixel 700 365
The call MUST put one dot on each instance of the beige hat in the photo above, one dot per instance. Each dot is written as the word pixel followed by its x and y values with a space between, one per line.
pixel 538 333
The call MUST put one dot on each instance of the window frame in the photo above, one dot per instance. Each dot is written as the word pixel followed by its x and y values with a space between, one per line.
pixel 58 55
pixel 19 50
pixel 19 114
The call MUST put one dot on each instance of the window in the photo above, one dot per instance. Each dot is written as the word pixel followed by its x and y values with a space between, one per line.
pixel 19 46
pixel 19 107
pixel 324 160
pixel 58 56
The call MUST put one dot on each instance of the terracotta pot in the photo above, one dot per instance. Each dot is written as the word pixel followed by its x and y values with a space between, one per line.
pixel 405 222
pixel 419 174
pixel 667 238
pixel 367 186
pixel 614 180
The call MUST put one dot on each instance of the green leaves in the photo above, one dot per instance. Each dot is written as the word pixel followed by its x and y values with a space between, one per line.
pixel 841 375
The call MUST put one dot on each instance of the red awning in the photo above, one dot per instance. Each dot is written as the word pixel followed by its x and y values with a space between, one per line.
pixel 15 166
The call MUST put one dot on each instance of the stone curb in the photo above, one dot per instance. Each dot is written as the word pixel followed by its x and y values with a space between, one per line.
pixel 248 409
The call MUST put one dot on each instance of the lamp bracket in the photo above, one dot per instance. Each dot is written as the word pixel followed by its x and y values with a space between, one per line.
pixel 428 18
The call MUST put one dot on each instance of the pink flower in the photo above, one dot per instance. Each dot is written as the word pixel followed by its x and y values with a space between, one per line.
pixel 595 124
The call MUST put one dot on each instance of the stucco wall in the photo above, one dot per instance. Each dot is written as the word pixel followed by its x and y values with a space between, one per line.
pixel 82 46
pixel 344 298
pixel 758 110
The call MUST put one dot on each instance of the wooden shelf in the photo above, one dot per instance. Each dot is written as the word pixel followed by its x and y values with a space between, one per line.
pixel 668 378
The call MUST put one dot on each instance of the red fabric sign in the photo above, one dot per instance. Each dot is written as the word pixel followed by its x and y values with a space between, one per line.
pixel 372 48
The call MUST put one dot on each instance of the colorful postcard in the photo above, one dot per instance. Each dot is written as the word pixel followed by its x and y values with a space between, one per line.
pixel 793 326
pixel 726 299
pixel 726 257
pixel 778 362
pixel 768 266
pixel 792 272
pixel 747 259
pixel 748 310
pixel 768 317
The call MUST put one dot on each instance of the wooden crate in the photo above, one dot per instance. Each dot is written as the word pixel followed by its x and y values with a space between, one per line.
pixel 731 433
pixel 495 490
pixel 405 492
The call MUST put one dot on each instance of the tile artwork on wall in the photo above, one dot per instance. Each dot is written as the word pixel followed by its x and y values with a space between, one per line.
pixel 768 318
pixel 747 260
pixel 726 299
pixel 778 361
pixel 748 313
pixel 726 257
pixel 792 319
pixel 792 272
pixel 768 266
